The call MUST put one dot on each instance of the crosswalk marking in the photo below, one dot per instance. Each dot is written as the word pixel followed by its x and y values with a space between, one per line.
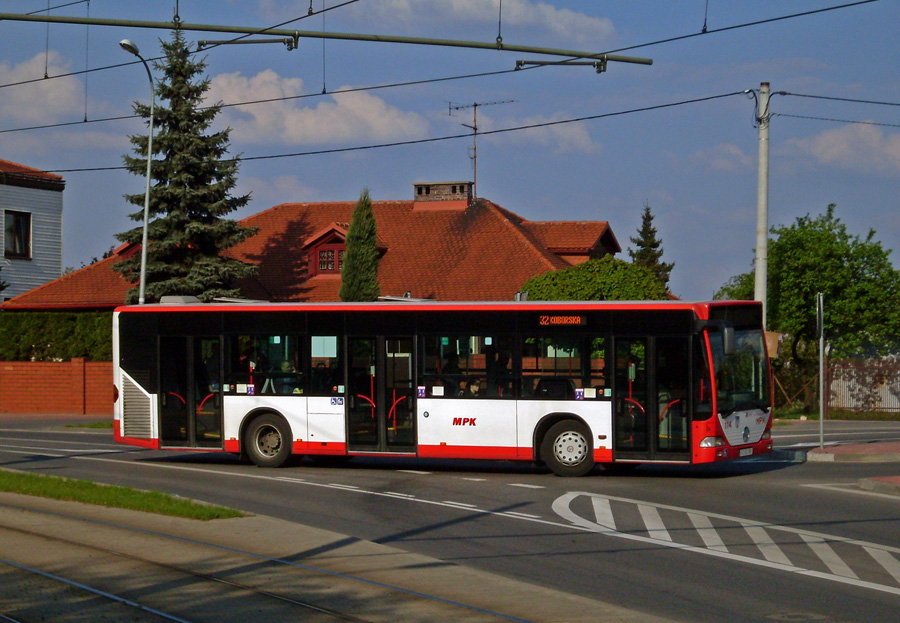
pixel 772 545
pixel 890 564
pixel 654 523
pixel 705 529
pixel 828 556
pixel 766 545
pixel 603 513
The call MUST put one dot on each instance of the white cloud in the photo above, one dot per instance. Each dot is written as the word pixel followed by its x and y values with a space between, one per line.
pixel 563 138
pixel 344 118
pixel 521 19
pixel 724 157
pixel 43 101
pixel 857 147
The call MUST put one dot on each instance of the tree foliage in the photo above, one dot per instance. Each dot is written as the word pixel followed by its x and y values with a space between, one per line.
pixel 359 276
pixel 860 286
pixel 607 278
pixel 192 181
pixel 648 249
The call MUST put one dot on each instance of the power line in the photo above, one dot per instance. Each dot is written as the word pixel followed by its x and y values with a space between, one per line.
pixel 761 22
pixel 283 98
pixel 840 99
pixel 532 126
pixel 876 123
pixel 157 58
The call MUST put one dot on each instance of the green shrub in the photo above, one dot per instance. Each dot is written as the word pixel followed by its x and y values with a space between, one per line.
pixel 55 336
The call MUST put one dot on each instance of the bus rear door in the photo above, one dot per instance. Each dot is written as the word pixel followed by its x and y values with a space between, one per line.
pixel 190 414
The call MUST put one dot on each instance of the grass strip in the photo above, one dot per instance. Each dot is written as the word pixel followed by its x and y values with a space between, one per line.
pixel 103 424
pixel 113 496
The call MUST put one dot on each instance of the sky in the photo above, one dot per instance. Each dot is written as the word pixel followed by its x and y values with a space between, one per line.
pixel 555 142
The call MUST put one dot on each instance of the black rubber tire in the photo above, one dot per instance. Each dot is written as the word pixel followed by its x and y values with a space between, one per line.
pixel 567 449
pixel 268 441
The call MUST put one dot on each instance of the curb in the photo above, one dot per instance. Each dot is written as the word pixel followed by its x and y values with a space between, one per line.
pixel 886 484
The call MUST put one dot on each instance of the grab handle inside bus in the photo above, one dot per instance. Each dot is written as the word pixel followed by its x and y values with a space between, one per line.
pixel 727 329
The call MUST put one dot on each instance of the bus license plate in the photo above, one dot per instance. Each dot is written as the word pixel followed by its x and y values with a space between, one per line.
pixel 746 452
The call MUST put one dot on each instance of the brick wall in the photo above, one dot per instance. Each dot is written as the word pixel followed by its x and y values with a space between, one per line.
pixel 75 387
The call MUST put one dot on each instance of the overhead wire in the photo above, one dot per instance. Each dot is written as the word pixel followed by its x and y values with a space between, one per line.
pixel 532 126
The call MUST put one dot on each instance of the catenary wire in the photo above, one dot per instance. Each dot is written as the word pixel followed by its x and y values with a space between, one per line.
pixel 448 137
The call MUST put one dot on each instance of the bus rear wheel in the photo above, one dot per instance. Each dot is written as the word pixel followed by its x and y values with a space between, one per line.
pixel 268 441
pixel 567 450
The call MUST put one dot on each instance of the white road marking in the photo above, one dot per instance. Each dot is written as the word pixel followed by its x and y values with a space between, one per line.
pixel 524 486
pixel 886 560
pixel 828 556
pixel 654 522
pixel 766 545
pixel 705 529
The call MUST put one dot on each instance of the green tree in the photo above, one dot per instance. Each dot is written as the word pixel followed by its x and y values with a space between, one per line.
pixel 860 285
pixel 359 276
pixel 601 279
pixel 648 249
pixel 192 181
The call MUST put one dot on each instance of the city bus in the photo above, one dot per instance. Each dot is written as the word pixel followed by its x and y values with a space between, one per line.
pixel 566 384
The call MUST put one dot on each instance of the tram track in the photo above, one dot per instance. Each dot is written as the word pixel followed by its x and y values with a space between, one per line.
pixel 163 577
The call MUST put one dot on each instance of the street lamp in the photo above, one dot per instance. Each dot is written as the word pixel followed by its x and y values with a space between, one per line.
pixel 129 46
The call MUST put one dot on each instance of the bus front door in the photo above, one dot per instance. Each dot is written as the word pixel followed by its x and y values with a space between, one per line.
pixel 380 413
pixel 652 376
pixel 190 414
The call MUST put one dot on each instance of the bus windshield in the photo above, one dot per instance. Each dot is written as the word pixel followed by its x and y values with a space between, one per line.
pixel 742 377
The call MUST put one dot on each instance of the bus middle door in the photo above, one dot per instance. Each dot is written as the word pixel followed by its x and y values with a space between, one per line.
pixel 381 414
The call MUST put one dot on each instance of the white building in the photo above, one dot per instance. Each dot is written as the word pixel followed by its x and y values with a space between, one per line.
pixel 31 204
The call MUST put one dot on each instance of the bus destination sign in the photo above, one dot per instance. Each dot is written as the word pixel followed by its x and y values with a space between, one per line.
pixel 562 320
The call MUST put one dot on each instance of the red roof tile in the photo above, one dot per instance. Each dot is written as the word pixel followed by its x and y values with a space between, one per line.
pixel 482 253
pixel 14 174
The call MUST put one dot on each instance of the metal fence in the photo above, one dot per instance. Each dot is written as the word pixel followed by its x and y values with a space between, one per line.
pixel 864 385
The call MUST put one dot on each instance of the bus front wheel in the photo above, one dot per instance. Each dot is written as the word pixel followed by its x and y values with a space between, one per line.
pixel 566 449
pixel 268 441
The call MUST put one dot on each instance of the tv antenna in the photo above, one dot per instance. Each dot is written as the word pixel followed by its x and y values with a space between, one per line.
pixel 473 154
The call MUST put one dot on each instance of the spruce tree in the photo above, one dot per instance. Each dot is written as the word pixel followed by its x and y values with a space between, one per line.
pixel 648 249
pixel 190 195
pixel 359 276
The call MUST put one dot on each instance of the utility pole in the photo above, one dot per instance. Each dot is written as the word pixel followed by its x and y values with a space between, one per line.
pixel 762 201
pixel 474 127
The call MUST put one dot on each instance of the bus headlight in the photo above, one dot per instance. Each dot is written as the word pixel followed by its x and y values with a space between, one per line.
pixel 766 434
pixel 712 442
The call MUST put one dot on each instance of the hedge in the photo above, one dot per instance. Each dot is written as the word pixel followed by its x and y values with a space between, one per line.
pixel 55 336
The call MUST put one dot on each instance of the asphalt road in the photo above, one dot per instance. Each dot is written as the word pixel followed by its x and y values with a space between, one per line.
pixel 756 540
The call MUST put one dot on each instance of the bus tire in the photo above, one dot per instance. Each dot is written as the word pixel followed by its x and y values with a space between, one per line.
pixel 567 449
pixel 268 441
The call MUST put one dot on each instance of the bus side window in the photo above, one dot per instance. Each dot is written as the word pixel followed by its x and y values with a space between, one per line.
pixel 325 367
pixel 553 368
pixel 265 364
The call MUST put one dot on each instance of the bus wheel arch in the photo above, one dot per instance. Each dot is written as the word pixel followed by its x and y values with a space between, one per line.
pixel 563 442
pixel 266 438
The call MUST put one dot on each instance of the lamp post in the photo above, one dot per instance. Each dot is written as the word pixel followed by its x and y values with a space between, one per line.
pixel 131 48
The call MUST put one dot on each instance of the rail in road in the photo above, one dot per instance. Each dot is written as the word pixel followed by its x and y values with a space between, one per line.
pixel 103 571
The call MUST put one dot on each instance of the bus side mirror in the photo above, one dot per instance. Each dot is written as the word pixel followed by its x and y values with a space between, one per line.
pixel 728 345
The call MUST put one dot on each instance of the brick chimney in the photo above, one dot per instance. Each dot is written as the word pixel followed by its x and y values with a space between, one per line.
pixel 442 195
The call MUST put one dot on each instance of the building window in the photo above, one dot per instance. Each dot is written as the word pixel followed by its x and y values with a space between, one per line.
pixel 17 234
pixel 330 258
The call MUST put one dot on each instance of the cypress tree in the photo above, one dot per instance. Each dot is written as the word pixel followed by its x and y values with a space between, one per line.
pixel 648 249
pixel 359 276
pixel 192 181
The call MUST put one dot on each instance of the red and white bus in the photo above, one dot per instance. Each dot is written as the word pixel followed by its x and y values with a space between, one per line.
pixel 568 384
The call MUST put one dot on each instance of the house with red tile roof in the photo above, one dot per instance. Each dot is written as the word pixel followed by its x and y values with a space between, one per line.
pixel 31 215
pixel 443 244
